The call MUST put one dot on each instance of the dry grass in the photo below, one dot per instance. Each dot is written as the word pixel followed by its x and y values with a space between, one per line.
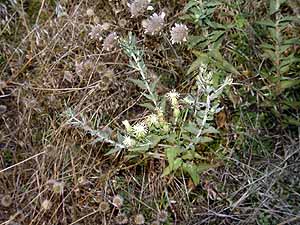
pixel 50 64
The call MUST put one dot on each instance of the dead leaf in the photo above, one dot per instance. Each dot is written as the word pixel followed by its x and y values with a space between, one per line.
pixel 221 119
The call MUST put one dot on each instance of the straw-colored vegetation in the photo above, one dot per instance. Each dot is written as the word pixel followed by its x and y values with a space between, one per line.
pixel 149 112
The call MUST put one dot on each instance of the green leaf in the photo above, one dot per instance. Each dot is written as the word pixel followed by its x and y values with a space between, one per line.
pixel 291 41
pixel 270 54
pixel 268 23
pixel 195 40
pixel 112 151
pixel 291 121
pixel 210 130
pixel 192 128
pixel 287 19
pixel 284 69
pixel 205 166
pixel 202 140
pixel 188 155
pixel 222 63
pixel 171 154
pixel 195 170
pixel 148 106
pixel 202 58
pixel 215 25
pixel 191 169
pixel 267 46
pixel 286 84
pixel 139 83
pixel 177 164
pixel 167 171
pixel 141 148
pixel 172 138
pixel 150 97
pixel 154 139
pixel 275 5
pixel 189 5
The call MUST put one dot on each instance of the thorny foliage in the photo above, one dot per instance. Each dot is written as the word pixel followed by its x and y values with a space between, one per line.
pixel 62 67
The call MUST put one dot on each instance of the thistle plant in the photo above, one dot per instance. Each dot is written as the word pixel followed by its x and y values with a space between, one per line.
pixel 100 135
pixel 175 138
pixel 137 62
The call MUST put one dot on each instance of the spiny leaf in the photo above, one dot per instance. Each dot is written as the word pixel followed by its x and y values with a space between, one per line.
pixel 139 83
pixel 148 106
pixel 275 5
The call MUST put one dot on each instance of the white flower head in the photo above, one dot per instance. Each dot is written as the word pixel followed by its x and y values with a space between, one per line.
pixel 96 32
pixel 90 12
pixel 138 7
pixel 173 97
pixel 118 201
pixel 140 130
pixel 110 41
pixel 179 33
pixel 128 142
pixel 152 120
pixel 202 68
pixel 46 204
pixel 228 81
pixel 154 24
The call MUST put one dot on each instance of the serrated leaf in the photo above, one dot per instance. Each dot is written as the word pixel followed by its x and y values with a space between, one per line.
pixel 172 138
pixel 283 48
pixel 215 25
pixel 189 5
pixel 139 83
pixel 195 170
pixel 216 36
pixel 150 97
pixel 120 137
pixel 153 85
pixel 202 167
pixel 148 106
pixel 287 19
pixel 275 5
